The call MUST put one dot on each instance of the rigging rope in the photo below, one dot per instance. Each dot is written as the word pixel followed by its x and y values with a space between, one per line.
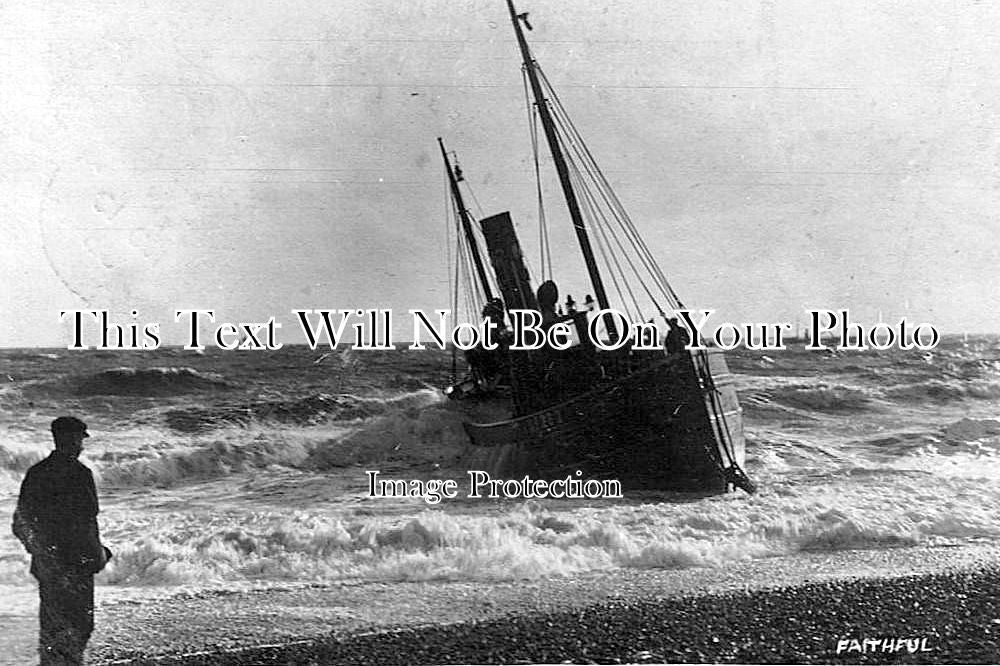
pixel 575 142
pixel 597 216
pixel 602 243
pixel 472 194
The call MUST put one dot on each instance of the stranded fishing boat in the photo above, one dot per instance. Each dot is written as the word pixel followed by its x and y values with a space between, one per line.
pixel 651 418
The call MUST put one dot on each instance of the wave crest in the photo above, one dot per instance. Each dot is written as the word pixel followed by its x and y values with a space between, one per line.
pixel 830 398
pixel 308 410
pixel 147 382
pixel 944 390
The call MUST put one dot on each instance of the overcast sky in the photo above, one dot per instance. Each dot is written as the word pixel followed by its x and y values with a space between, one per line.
pixel 255 157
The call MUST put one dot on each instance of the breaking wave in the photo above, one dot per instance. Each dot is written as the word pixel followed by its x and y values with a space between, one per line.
pixel 973 430
pixel 839 399
pixel 211 459
pixel 827 398
pixel 526 542
pixel 17 461
pixel 944 390
pixel 149 381
pixel 307 410
pixel 413 428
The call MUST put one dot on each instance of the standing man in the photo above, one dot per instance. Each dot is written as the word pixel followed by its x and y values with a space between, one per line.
pixel 56 520
pixel 677 337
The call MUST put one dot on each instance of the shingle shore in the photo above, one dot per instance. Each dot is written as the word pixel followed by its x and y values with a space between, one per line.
pixel 956 612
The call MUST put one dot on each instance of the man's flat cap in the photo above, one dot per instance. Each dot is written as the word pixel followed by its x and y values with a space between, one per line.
pixel 69 424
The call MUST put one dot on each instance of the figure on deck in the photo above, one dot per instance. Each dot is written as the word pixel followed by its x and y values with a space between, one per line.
pixel 678 338
pixel 494 311
pixel 548 295
pixel 570 305
pixel 489 366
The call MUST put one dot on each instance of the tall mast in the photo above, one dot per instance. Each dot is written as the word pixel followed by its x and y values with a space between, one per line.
pixel 463 214
pixel 562 169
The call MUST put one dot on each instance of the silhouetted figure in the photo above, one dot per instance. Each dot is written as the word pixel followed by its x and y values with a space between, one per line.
pixel 548 295
pixel 488 364
pixel 56 520
pixel 494 311
pixel 677 337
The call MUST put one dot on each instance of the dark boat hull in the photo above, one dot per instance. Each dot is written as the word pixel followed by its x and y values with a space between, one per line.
pixel 674 424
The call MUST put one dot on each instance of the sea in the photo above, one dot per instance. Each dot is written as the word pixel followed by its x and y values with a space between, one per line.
pixel 239 470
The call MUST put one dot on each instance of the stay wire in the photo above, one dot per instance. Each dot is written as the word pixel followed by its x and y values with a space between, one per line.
pixel 599 222
pixel 608 257
pixel 614 203
pixel 606 228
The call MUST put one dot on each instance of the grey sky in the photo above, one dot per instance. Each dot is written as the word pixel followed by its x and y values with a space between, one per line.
pixel 259 157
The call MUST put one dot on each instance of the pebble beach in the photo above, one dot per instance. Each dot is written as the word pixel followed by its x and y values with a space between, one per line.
pixel 908 605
